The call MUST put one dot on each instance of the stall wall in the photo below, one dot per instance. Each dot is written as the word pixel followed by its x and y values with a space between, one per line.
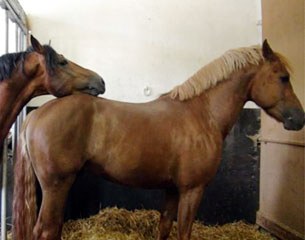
pixel 151 43
pixel 282 152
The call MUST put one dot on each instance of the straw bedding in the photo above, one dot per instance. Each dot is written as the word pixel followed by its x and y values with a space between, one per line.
pixel 119 224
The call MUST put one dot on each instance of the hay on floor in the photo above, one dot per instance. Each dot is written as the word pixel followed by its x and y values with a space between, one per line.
pixel 121 224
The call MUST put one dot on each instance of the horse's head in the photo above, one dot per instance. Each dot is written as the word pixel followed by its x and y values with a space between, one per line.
pixel 271 89
pixel 57 75
pixel 39 70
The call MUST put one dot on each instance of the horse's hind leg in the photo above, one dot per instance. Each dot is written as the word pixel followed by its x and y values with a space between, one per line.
pixel 188 204
pixel 168 214
pixel 51 214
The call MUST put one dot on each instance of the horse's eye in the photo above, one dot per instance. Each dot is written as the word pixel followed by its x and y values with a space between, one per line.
pixel 285 79
pixel 63 62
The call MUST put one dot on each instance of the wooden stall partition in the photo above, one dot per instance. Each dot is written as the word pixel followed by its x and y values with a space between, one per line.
pixel 281 208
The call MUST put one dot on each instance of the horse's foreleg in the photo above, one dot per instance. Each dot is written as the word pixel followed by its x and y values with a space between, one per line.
pixel 51 214
pixel 188 204
pixel 168 214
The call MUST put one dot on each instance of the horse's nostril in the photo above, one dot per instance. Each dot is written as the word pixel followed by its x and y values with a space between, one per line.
pixel 290 119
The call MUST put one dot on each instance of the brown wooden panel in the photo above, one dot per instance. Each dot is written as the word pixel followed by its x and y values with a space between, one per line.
pixel 281 208
pixel 280 231
pixel 283 26
pixel 282 185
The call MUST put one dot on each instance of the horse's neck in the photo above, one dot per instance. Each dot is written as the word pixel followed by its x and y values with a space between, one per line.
pixel 226 100
pixel 12 99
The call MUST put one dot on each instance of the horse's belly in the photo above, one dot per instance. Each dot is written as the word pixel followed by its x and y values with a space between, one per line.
pixel 139 180
pixel 133 174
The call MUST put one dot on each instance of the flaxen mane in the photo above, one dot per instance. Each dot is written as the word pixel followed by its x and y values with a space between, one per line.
pixel 217 71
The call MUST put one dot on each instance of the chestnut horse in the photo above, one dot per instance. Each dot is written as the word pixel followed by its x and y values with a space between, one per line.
pixel 37 71
pixel 174 142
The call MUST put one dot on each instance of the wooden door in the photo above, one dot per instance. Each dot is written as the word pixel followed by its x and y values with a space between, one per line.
pixel 281 208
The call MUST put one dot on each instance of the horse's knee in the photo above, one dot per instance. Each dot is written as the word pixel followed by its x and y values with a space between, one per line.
pixel 168 214
pixel 37 232
pixel 188 204
pixel 46 233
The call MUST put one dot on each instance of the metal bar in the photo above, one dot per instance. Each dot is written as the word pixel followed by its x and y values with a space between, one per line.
pixel 20 31
pixel 15 126
pixel 16 40
pixel 6 31
pixel 17 14
pixel 4 190
pixel 4 159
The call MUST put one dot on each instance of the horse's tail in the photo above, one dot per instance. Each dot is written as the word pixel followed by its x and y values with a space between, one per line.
pixel 24 199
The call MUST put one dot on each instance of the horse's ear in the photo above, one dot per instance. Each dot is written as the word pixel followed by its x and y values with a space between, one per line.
pixel 36 45
pixel 268 52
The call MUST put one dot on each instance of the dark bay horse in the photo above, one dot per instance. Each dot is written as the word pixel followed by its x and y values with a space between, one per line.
pixel 174 142
pixel 37 71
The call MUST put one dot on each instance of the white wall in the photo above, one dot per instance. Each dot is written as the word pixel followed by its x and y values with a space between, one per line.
pixel 133 44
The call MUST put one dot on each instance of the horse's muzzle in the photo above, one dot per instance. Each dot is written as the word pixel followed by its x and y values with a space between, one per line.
pixel 96 86
pixel 294 119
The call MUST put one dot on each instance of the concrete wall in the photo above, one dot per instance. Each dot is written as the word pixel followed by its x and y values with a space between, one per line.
pixel 134 44
pixel 282 152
